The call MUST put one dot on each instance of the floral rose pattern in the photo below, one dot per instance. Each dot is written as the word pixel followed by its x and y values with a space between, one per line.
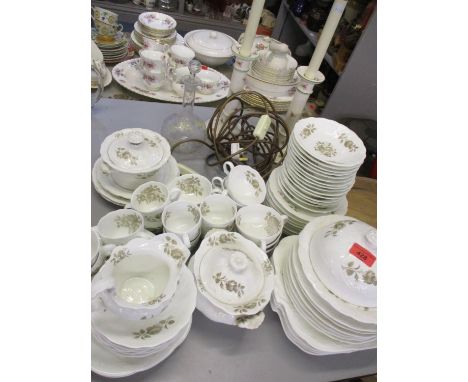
pixel 229 285
pixel 369 277
pixel 154 329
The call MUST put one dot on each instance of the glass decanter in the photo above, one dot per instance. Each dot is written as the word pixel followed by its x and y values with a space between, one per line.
pixel 185 125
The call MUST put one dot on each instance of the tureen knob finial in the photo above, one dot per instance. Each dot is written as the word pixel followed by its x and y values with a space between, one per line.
pixel 213 34
pixel 238 261
pixel 135 138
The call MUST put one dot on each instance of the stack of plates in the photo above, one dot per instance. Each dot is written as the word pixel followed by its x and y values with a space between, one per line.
pixel 281 104
pixel 261 71
pixel 115 51
pixel 140 344
pixel 105 185
pixel 319 170
pixel 324 294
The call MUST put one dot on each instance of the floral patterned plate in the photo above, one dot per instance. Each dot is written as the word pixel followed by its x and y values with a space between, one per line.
pixel 157 21
pixel 330 142
pixel 107 363
pixel 233 273
pixel 150 332
pixel 128 75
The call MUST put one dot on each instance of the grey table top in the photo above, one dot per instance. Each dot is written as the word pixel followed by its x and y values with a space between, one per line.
pixel 212 351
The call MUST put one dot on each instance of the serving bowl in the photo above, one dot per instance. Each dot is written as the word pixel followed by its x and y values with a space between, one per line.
pixel 131 156
pixel 211 48
pixel 344 255
pixel 233 274
pixel 140 278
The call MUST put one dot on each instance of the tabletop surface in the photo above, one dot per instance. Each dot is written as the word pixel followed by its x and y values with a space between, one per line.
pixel 213 351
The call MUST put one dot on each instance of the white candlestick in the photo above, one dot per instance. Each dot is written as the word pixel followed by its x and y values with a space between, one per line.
pixel 252 25
pixel 325 37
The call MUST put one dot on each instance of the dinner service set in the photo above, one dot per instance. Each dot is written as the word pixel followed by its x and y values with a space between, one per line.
pixel 211 47
pixel 129 158
pixel 320 167
pixel 234 279
pixel 326 284
pixel 273 74
pixel 143 298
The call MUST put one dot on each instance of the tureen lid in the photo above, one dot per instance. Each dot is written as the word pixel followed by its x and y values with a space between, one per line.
pixel 344 257
pixel 233 273
pixel 135 150
pixel 211 43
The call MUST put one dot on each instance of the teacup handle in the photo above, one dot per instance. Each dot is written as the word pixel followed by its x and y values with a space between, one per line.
pixel 284 218
pixel 218 182
pixel 119 28
pixel 105 168
pixel 107 249
pixel 227 167
pixel 186 239
pixel 174 194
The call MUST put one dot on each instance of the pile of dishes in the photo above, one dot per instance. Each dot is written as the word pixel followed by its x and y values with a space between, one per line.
pixel 273 74
pixel 234 279
pixel 114 51
pixel 142 304
pixel 129 158
pixel 320 168
pixel 326 286
pixel 211 47
pixel 157 27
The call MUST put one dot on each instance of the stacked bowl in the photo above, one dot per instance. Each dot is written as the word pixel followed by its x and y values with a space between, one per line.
pixel 319 170
pixel 157 27
pixel 234 279
pixel 272 74
pixel 326 286
pixel 142 304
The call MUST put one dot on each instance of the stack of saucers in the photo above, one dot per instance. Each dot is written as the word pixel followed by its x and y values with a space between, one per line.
pixel 319 170
pixel 143 300
pixel 326 286
pixel 115 51
pixel 234 279
pixel 158 27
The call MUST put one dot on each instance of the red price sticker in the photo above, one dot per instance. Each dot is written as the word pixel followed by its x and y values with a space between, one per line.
pixel 204 67
pixel 363 254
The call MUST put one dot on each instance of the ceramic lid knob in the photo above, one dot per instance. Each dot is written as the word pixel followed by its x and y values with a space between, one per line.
pixel 238 261
pixel 135 138
pixel 278 47
pixel 213 34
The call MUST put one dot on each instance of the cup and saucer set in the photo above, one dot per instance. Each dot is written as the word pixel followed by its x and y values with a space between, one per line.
pixel 109 37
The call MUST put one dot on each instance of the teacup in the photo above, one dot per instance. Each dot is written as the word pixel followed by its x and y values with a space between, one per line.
pixel 180 56
pixel 218 211
pixel 104 15
pixel 107 32
pixel 184 219
pixel 152 61
pixel 194 187
pixel 149 199
pixel 210 81
pixel 120 226
pixel 261 224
